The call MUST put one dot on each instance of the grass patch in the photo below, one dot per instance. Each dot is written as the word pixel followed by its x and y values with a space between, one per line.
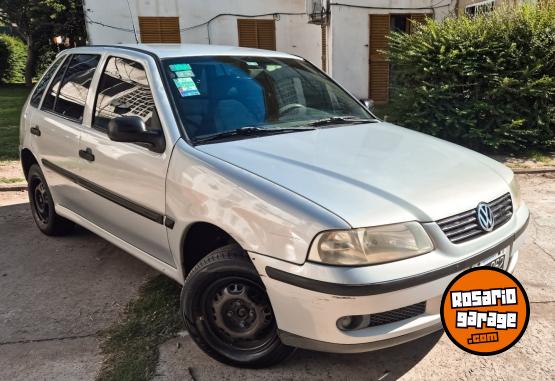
pixel 11 180
pixel 12 99
pixel 130 347
pixel 540 157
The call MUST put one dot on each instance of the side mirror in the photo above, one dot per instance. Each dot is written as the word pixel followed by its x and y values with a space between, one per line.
pixel 368 103
pixel 132 129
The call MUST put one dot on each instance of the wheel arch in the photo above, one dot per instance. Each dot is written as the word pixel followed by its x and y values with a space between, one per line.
pixel 200 239
pixel 27 159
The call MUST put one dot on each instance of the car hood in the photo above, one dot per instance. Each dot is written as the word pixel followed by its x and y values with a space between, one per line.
pixel 371 174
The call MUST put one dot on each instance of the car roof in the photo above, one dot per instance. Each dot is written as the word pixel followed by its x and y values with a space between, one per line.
pixel 187 50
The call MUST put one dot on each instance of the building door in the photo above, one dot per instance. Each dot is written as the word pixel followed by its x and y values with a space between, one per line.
pixel 379 67
pixel 159 30
pixel 254 33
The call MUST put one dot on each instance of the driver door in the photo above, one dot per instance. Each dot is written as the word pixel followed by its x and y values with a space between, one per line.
pixel 125 181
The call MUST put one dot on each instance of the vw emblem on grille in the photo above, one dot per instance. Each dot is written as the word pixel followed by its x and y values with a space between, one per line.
pixel 485 217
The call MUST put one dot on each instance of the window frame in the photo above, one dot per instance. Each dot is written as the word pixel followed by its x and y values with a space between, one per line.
pixel 478 5
pixel 68 59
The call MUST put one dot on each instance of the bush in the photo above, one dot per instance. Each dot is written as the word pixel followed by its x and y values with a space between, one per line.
pixel 487 83
pixel 13 55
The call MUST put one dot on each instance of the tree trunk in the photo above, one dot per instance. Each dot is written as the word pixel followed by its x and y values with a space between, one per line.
pixel 30 64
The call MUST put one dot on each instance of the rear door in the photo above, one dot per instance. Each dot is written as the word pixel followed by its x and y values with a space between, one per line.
pixel 125 181
pixel 35 101
pixel 57 125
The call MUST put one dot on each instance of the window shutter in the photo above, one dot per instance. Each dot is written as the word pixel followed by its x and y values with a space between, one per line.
pixel 416 19
pixel 266 31
pixel 324 48
pixel 379 66
pixel 247 33
pixel 259 34
pixel 159 29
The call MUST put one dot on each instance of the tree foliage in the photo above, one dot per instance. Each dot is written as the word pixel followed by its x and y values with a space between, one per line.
pixel 38 21
pixel 486 82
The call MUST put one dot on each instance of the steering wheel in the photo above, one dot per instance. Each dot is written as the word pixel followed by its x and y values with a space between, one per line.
pixel 290 107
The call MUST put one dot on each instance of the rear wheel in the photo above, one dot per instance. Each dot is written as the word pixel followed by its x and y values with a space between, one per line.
pixel 42 205
pixel 228 313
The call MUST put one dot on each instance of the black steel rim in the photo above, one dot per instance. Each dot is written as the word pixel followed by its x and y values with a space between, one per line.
pixel 41 202
pixel 238 314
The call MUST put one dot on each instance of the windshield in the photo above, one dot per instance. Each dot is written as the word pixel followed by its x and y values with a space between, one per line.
pixel 221 94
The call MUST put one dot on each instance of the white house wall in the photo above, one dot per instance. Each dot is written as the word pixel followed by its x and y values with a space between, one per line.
pixel 350 36
pixel 293 33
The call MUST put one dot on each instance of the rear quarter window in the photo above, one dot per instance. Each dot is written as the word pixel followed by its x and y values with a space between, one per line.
pixel 41 86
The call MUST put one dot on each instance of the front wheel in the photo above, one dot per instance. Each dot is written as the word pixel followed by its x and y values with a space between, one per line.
pixel 228 313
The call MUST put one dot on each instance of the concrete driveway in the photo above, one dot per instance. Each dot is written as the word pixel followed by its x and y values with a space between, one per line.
pixel 56 293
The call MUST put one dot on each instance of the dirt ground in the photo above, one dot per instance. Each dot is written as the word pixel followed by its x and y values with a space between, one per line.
pixel 11 175
pixel 56 293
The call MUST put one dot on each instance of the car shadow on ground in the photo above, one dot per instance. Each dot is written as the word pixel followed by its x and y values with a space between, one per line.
pixel 390 362
pixel 181 359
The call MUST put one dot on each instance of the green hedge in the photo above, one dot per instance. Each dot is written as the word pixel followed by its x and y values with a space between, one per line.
pixel 487 83
pixel 13 55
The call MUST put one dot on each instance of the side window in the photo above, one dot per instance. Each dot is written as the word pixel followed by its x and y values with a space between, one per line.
pixel 123 90
pixel 41 86
pixel 52 93
pixel 67 97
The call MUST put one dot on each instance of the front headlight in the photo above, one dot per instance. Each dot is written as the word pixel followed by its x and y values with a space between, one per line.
pixel 370 246
pixel 515 191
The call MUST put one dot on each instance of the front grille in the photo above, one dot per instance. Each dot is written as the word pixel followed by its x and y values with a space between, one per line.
pixel 397 315
pixel 464 226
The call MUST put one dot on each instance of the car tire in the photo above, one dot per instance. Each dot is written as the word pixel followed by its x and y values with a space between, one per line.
pixel 227 311
pixel 42 205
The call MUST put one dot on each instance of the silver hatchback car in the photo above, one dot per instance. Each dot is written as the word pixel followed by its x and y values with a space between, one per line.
pixel 291 215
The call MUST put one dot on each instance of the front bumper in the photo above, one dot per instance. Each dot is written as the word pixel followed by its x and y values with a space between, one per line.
pixel 309 299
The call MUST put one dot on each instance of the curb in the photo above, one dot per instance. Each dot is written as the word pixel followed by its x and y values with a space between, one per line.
pixel 523 171
pixel 13 188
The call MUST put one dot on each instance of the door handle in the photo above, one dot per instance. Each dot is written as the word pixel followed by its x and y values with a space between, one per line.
pixel 86 154
pixel 35 130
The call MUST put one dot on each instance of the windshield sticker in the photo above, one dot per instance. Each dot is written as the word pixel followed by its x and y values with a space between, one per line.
pixel 273 67
pixel 186 87
pixel 184 74
pixel 180 67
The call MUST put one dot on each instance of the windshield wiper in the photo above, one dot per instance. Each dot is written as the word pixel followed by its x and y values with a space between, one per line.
pixel 348 119
pixel 248 131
